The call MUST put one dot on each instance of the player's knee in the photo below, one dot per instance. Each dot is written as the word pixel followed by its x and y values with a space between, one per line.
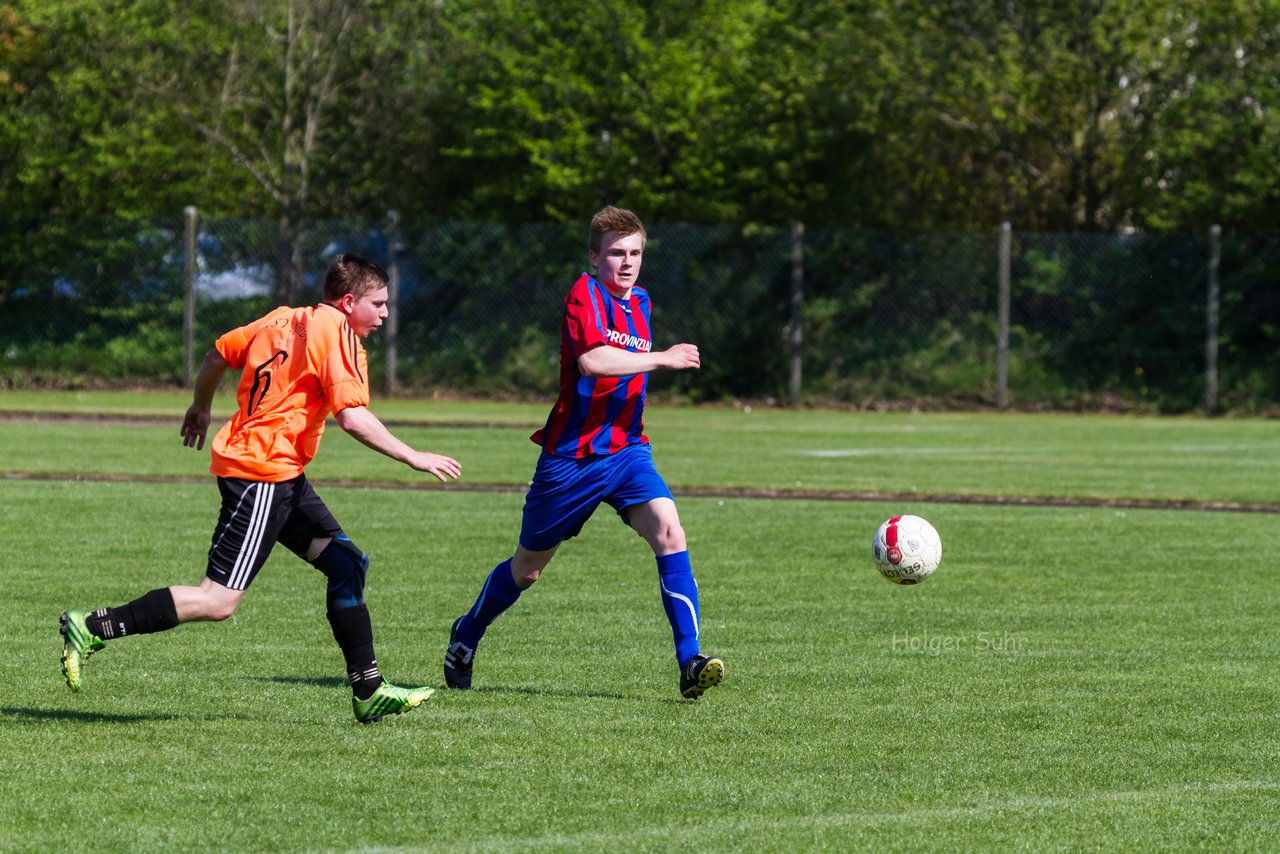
pixel 527 577
pixel 524 574
pixel 218 611
pixel 210 601
pixel 346 567
pixel 216 605
pixel 525 568
pixel 668 538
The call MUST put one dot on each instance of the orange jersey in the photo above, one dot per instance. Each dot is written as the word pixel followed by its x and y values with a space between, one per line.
pixel 298 365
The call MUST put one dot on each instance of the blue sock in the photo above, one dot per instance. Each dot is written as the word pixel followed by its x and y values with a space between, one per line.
pixel 499 593
pixel 680 600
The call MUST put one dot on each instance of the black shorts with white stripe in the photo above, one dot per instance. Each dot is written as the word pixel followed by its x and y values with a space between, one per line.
pixel 255 516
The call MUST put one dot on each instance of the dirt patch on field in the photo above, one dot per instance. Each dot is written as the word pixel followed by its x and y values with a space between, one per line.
pixel 722 493
pixel 143 418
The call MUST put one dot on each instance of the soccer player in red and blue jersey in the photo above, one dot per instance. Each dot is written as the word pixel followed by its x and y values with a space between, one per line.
pixel 594 450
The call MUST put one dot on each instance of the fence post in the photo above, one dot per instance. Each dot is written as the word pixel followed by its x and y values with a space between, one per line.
pixel 796 332
pixel 393 301
pixel 1002 309
pixel 189 297
pixel 1211 323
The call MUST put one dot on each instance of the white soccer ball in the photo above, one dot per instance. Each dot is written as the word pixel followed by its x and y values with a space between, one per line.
pixel 906 549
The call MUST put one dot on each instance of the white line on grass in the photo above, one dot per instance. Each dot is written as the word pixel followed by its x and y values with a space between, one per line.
pixel 960 450
pixel 618 841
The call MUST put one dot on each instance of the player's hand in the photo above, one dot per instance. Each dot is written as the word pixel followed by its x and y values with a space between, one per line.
pixel 683 356
pixel 445 468
pixel 195 426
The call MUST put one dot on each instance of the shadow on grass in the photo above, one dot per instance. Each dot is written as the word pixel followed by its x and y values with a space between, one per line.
pixel 566 694
pixel 81 717
pixel 441 691
pixel 320 681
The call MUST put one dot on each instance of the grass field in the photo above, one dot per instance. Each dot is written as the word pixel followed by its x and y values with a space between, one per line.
pixel 1097 676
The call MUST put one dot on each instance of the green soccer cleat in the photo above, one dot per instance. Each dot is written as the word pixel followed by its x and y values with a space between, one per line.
pixel 698 674
pixel 389 700
pixel 77 645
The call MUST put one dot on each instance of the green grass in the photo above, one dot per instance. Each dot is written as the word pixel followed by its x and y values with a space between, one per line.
pixel 1085 457
pixel 1075 678
pixel 165 404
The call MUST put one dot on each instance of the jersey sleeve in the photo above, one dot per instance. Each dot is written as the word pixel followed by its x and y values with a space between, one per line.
pixel 586 324
pixel 233 346
pixel 343 367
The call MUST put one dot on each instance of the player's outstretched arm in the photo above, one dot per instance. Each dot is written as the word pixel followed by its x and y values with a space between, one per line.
pixel 195 424
pixel 368 429
pixel 614 362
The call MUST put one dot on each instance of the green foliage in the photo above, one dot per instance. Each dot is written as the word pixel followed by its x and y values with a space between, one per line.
pixel 958 115
pixel 889 316
pixel 125 344
pixel 18 46
pixel 565 107
pixel 1207 138
pixel 867 115
pixel 898 316
pixel 1120 314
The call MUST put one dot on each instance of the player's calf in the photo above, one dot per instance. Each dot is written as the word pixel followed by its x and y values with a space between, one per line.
pixel 346 567
pixel 84 633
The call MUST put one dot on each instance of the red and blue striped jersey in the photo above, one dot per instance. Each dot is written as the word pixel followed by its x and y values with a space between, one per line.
pixel 598 415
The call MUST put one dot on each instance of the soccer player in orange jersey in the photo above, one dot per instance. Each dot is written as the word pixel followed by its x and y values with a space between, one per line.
pixel 297 365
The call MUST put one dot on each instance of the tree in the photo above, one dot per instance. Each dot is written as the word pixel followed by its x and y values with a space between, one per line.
pixel 813 111
pixel 18 46
pixel 263 91
pixel 897 113
pixel 565 106
pixel 1206 126
pixel 1015 111
pixel 82 141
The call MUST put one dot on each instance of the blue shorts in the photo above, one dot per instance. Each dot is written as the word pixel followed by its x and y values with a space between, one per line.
pixel 566 491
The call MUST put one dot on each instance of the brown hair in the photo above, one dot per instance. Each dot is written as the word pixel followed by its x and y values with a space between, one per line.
pixel 351 274
pixel 615 221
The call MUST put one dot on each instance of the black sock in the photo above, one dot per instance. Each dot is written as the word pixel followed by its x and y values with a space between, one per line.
pixel 150 612
pixel 353 631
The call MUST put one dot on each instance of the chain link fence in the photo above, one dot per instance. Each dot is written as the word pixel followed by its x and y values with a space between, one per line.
pixel 858 317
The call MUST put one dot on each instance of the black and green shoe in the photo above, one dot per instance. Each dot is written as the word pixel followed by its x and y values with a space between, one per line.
pixel 78 643
pixel 389 700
